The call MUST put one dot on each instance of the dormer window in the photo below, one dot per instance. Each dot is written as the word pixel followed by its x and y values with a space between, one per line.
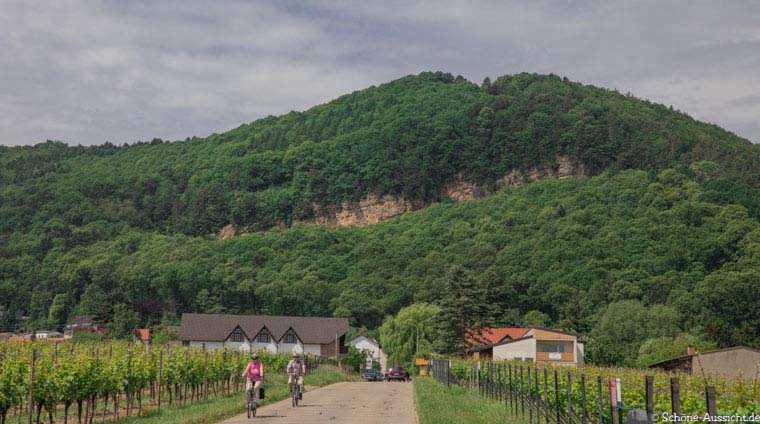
pixel 237 335
pixel 290 337
pixel 263 337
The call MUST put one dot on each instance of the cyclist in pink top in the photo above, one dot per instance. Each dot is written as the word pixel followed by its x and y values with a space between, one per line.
pixel 254 375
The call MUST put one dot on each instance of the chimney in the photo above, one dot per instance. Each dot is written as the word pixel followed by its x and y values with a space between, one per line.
pixel 690 350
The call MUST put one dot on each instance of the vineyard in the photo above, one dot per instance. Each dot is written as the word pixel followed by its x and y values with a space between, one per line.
pixel 109 381
pixel 548 394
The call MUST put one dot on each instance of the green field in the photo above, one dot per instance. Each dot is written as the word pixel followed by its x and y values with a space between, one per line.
pixel 438 404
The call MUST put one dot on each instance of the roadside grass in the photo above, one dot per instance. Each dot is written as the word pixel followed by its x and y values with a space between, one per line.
pixel 437 404
pixel 226 406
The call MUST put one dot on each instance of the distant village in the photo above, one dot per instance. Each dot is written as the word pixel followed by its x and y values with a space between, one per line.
pixel 326 336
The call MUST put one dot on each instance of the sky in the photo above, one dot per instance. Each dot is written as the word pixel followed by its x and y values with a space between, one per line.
pixel 87 72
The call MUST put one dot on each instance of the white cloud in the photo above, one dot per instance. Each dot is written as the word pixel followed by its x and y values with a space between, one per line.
pixel 86 72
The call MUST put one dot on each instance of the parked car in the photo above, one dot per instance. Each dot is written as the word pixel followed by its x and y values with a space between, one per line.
pixel 380 375
pixel 370 375
pixel 398 374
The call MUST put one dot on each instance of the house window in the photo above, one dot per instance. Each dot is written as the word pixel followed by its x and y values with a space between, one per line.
pixel 290 338
pixel 237 335
pixel 263 337
pixel 551 348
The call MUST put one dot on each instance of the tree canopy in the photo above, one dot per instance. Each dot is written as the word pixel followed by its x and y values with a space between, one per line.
pixel 663 219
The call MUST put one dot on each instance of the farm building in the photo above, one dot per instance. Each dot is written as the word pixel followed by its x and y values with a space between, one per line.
pixel 310 335
pixel 533 344
pixel 737 362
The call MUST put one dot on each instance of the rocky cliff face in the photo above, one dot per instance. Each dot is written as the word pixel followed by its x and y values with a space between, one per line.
pixel 375 209
pixel 565 167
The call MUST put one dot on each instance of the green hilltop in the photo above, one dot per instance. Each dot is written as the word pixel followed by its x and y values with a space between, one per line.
pixel 661 220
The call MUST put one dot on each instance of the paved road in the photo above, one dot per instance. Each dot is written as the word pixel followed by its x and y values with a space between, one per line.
pixel 365 403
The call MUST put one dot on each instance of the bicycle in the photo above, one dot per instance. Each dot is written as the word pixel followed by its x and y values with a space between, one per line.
pixel 295 389
pixel 251 402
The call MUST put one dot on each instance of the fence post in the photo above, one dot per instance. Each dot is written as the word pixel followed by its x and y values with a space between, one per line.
pixel 569 398
pixel 497 383
pixel 205 376
pixel 509 389
pixel 546 395
pixel 710 398
pixel 584 415
pixel 160 376
pixel 530 398
pixel 613 401
pixel 537 398
pixel 448 372
pixel 556 394
pixel 599 400
pixel 31 385
pixel 649 383
pixel 522 391
pixel 675 396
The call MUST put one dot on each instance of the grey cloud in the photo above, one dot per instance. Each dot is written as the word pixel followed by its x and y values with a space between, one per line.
pixel 86 72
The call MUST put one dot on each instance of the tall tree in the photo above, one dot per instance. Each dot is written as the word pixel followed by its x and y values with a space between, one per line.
pixel 464 306
pixel 399 335
pixel 125 321
pixel 59 310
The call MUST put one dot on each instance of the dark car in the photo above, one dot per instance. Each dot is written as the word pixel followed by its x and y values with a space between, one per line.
pixel 380 375
pixel 398 374
pixel 370 375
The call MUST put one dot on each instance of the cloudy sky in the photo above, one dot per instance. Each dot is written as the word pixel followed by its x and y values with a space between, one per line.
pixel 86 72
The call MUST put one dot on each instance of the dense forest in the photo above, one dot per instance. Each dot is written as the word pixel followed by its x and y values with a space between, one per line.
pixel 664 228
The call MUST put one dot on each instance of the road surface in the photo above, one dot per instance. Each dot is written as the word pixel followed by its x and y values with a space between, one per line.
pixel 364 402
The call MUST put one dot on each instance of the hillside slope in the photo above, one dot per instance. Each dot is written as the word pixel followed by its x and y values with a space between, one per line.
pixel 658 214
pixel 410 140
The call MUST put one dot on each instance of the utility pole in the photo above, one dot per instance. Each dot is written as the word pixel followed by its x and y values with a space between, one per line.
pixel 417 350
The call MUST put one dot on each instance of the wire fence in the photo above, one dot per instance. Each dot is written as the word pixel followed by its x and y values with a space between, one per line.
pixel 544 395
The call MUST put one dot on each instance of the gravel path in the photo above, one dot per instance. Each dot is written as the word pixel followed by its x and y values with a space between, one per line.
pixel 365 403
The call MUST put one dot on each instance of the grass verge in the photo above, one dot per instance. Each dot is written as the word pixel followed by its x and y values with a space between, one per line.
pixel 226 406
pixel 437 404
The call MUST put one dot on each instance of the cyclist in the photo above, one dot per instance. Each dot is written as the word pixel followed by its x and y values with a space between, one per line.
pixel 254 375
pixel 296 367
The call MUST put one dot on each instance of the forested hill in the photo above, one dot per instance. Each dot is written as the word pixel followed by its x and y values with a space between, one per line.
pixel 408 138
pixel 651 244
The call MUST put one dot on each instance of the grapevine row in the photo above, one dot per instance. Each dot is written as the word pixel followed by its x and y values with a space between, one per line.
pixel 49 381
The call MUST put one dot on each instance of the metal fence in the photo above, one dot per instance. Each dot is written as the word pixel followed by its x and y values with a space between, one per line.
pixel 314 361
pixel 534 393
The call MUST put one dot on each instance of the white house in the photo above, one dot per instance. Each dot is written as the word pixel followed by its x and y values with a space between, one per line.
pixel 47 334
pixel 372 347
pixel 542 345
pixel 309 335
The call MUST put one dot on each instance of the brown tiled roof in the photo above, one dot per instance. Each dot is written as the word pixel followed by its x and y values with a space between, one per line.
pixel 218 327
pixel 489 336
pixel 143 334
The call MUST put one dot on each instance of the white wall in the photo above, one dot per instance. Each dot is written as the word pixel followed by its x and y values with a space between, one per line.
pixel 519 349
pixel 312 349
pixel 363 343
pixel 290 348
pixel 270 346
pixel 579 351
